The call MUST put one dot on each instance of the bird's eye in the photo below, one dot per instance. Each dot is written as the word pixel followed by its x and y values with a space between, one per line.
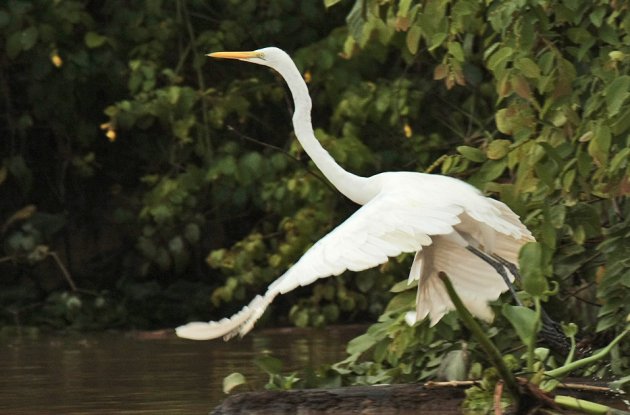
pixel 260 55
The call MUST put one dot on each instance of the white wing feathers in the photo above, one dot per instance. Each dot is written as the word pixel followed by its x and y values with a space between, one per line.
pixel 387 226
pixel 498 230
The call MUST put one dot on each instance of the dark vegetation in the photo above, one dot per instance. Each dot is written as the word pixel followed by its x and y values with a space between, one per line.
pixel 143 186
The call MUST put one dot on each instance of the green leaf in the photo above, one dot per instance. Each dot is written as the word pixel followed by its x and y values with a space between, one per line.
pixel 528 67
pixel 436 40
pixel 570 330
pixel 455 49
pixel 403 285
pixel 29 38
pixel 330 3
pixel 413 39
pixel 531 264
pixel 361 343
pixel 4 18
pixel 233 380
pixel 503 121
pixel 14 45
pixel 192 233
pixel 499 58
pixel 94 40
pixel 619 161
pixel 616 94
pixel 523 320
pixel 472 153
pixel 489 171
pixel 599 146
pixel 498 149
pixel 269 364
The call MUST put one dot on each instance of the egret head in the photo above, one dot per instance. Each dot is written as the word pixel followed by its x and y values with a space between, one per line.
pixel 267 56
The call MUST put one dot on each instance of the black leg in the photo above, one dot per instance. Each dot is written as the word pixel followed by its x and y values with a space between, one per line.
pixel 499 267
pixel 551 331
pixel 510 267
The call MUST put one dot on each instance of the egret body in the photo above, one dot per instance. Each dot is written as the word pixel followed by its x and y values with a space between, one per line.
pixel 439 218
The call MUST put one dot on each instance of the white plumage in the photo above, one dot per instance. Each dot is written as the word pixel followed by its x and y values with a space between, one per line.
pixel 435 216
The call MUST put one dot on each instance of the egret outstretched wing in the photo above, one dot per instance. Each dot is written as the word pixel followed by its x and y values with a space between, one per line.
pixel 366 239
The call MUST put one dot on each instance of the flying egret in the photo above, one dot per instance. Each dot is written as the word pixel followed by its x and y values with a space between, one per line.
pixel 449 225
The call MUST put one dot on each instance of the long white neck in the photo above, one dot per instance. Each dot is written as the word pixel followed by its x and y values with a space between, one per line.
pixel 355 188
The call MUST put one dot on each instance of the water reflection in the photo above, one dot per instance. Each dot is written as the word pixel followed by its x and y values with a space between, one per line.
pixel 130 374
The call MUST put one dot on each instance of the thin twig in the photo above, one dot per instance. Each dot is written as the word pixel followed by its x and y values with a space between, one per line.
pixel 285 153
pixel 498 393
pixel 583 387
pixel 450 383
pixel 64 270
pixel 200 81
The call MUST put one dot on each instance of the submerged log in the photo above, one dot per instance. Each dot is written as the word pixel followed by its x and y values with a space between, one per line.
pixel 407 399
pixel 385 400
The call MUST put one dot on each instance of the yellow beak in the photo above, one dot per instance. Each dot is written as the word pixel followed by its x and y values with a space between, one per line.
pixel 234 55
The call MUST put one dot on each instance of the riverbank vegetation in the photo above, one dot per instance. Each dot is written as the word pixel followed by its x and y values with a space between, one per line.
pixel 144 186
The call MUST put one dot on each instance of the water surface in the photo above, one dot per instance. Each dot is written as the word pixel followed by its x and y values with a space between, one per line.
pixel 127 373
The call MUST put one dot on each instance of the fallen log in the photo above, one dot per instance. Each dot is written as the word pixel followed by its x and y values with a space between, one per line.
pixel 405 399
pixel 385 400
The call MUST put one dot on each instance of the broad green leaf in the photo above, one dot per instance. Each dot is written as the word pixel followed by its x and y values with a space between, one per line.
pixel 403 285
pixel 403 7
pixel 4 18
pixel 233 380
pixel 491 170
pixel 599 146
pixel 14 45
pixel 622 124
pixel 498 149
pixel 528 67
pixel 531 265
pixel 192 233
pixel 455 49
pixel 330 3
pixel 361 343
pixel 437 39
pixel 269 364
pixel 28 38
pixel 521 87
pixel 523 320
pixel 570 330
pixel 94 40
pixel 413 39
pixel 503 121
pixel 616 94
pixel 472 153
pixel 499 58
pixel 619 161
pixel 597 16
pixel 402 301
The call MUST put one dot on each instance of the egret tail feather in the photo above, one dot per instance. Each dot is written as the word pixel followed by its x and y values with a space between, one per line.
pixel 240 323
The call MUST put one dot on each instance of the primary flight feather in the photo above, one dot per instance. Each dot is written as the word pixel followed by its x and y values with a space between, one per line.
pixel 438 218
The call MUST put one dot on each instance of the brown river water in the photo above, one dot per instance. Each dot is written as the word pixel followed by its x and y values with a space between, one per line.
pixel 144 373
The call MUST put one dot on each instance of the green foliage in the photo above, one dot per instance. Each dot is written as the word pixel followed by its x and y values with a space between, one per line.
pixel 139 163
pixel 536 93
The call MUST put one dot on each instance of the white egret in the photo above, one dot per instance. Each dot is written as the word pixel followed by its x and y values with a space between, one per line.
pixel 449 225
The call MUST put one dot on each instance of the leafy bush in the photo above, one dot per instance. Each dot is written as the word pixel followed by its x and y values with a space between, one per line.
pixel 171 188
pixel 538 93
